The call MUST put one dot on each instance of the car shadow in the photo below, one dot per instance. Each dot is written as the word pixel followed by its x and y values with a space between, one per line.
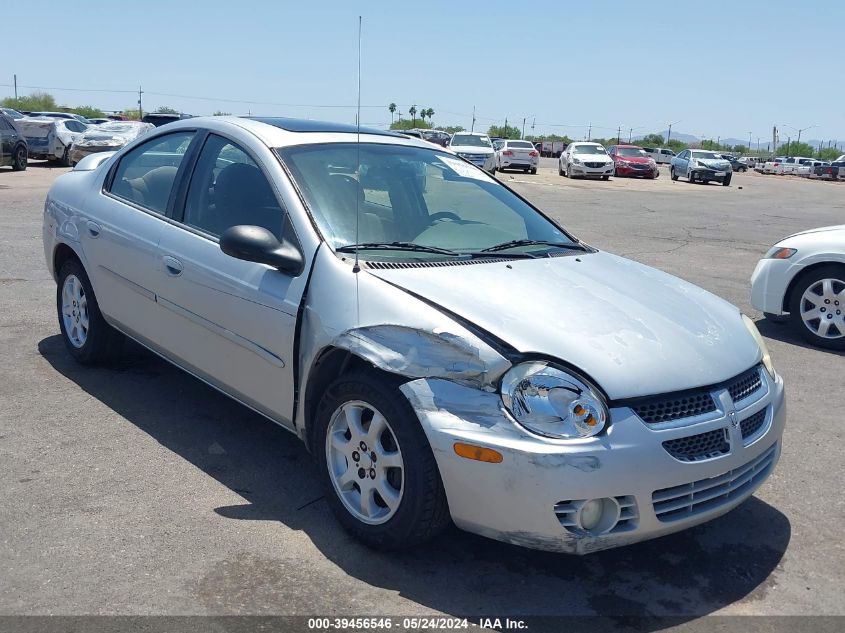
pixel 685 575
pixel 783 332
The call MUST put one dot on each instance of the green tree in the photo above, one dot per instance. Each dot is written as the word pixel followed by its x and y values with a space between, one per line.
pixel 89 112
pixel 413 112
pixel 740 149
pixel 829 153
pixel 423 114
pixel 132 114
pixel 408 124
pixel 429 113
pixel 793 148
pixel 35 102
pixel 452 129
pixel 549 137
pixel 503 131
pixel 166 110
pixel 652 140
pixel 392 109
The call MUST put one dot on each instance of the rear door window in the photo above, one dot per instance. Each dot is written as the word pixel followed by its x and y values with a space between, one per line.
pixel 145 176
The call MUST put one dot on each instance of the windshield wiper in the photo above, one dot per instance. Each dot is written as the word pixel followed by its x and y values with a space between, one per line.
pixel 395 246
pixel 574 246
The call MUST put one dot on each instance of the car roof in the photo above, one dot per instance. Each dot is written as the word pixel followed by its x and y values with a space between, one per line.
pixel 282 132
pixel 586 143
pixel 631 146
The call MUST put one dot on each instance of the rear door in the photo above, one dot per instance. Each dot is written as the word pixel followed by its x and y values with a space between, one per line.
pixel 230 321
pixel 121 227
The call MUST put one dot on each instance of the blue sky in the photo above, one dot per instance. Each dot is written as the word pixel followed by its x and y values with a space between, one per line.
pixel 561 64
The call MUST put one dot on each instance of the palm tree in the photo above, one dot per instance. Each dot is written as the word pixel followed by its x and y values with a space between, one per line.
pixel 392 108
pixel 413 113
pixel 430 114
pixel 423 114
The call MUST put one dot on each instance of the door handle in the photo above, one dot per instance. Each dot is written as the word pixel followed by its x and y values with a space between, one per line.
pixel 94 229
pixel 172 266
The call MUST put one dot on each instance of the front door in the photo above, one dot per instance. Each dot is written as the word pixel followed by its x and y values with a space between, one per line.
pixel 230 321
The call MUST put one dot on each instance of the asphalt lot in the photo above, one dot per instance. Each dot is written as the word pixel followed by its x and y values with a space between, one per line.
pixel 139 490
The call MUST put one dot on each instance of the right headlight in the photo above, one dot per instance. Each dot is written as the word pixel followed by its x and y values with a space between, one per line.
pixel 761 343
pixel 552 402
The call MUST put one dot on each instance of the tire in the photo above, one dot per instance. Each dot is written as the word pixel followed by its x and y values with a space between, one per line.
pixel 96 343
pixel 65 160
pixel 20 159
pixel 525 171
pixel 776 318
pixel 672 173
pixel 533 170
pixel 569 171
pixel 726 181
pixel 814 281
pixel 691 176
pixel 560 169
pixel 605 177
pixel 421 511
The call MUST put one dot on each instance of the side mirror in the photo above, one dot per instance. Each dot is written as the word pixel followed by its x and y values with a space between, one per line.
pixel 257 244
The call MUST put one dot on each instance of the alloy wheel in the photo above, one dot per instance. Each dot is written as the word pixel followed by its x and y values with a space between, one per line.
pixel 365 462
pixel 75 311
pixel 823 308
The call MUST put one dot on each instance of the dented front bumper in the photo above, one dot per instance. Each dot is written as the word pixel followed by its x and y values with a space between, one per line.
pixel 531 498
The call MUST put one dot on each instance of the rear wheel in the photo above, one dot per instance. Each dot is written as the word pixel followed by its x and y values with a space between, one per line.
pixel 378 470
pixel 817 307
pixel 87 336
pixel 19 162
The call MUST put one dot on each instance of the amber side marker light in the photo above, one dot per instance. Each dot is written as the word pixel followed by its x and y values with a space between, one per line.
pixel 478 453
pixel 784 253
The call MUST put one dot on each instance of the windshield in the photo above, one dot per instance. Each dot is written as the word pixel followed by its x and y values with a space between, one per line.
pixel 471 139
pixel 411 195
pixel 520 145
pixel 706 155
pixel 588 149
pixel 635 152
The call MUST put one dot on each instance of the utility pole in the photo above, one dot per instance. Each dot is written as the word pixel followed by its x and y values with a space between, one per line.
pixel 472 129
pixel 718 138
pixel 140 107
pixel 775 138
pixel 619 134
pixel 523 127
pixel 16 87
pixel 788 141
pixel 749 141
pixel 533 121
pixel 589 131
pixel 505 132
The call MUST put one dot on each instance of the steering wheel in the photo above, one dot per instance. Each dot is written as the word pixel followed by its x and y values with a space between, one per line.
pixel 443 215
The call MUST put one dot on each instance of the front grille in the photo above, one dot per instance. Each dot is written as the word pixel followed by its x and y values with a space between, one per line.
pixel 687 500
pixel 566 512
pixel 474 158
pixel 640 166
pixel 594 165
pixel 750 425
pixel 665 409
pixel 745 384
pixel 696 448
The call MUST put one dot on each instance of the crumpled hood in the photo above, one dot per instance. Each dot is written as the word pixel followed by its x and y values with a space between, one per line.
pixel 714 163
pixel 633 329
pixel 635 159
pixel 470 149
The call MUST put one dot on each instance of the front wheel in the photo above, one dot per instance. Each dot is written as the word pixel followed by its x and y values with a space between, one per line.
pixel 378 470
pixel 726 181
pixel 533 170
pixel 87 336
pixel 65 160
pixel 19 163
pixel 605 177
pixel 560 169
pixel 817 307
pixel 691 176
pixel 672 173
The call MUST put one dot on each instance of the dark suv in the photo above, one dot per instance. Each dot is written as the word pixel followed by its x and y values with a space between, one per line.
pixel 13 148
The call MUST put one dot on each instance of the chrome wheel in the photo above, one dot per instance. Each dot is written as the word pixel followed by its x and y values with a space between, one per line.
pixel 823 308
pixel 75 311
pixel 365 462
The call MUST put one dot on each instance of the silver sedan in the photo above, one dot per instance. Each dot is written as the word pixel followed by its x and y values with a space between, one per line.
pixel 445 350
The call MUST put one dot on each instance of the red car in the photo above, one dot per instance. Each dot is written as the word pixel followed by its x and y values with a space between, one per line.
pixel 630 160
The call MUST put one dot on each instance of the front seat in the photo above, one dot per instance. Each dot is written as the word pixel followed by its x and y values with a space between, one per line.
pixel 242 195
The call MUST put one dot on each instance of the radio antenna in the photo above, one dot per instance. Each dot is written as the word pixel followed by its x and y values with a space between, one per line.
pixel 356 268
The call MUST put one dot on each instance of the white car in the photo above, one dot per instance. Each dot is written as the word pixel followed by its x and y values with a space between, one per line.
pixel 517 155
pixel 50 138
pixel 443 348
pixel 584 159
pixel 476 148
pixel 802 278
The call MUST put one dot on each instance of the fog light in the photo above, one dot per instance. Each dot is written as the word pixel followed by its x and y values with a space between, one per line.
pixel 591 514
pixel 598 516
